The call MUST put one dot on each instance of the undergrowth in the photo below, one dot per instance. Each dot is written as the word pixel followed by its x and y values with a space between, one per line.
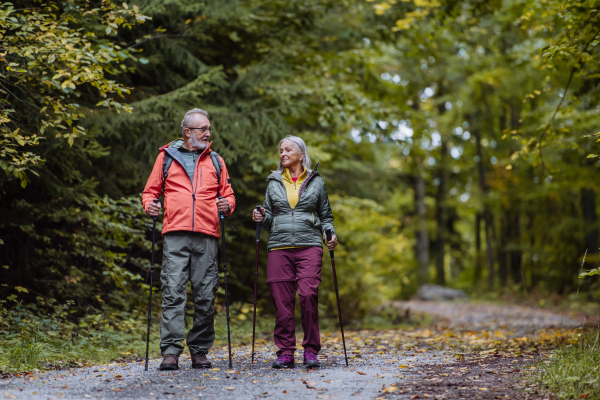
pixel 573 371
pixel 34 339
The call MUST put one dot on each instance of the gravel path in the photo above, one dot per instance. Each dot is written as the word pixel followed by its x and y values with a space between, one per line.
pixel 399 363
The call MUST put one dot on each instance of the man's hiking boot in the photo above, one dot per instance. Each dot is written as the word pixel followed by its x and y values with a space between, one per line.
pixel 311 360
pixel 169 362
pixel 284 361
pixel 199 360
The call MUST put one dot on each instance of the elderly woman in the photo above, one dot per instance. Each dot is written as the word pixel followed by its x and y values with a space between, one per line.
pixel 296 212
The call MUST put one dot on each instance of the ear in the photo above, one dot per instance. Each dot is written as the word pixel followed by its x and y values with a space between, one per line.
pixel 187 133
pixel 302 156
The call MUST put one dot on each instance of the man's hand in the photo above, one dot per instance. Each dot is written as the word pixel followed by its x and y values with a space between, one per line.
pixel 332 243
pixel 222 205
pixel 258 216
pixel 153 209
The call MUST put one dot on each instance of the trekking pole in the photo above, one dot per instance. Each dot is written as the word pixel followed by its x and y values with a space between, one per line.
pixel 337 296
pixel 155 201
pixel 222 220
pixel 258 224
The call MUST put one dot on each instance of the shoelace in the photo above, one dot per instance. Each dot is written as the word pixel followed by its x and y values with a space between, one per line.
pixel 310 356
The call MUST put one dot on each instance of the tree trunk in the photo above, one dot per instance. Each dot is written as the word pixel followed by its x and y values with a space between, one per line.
pixel 422 245
pixel 487 215
pixel 516 255
pixel 590 220
pixel 502 253
pixel 440 214
pixel 478 266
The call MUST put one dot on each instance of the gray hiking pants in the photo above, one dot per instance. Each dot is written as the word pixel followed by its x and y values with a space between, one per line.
pixel 188 256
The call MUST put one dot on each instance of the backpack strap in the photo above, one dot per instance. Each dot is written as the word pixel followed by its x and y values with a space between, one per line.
pixel 214 156
pixel 166 165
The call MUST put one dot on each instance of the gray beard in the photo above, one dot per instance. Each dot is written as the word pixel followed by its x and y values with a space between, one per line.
pixel 197 144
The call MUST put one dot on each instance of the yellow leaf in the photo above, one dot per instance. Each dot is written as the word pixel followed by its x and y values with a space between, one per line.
pixel 21 289
pixel 5 267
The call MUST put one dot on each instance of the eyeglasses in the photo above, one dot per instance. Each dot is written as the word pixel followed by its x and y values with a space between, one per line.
pixel 202 129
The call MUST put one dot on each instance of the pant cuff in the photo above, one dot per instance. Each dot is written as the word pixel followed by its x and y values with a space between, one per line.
pixel 172 350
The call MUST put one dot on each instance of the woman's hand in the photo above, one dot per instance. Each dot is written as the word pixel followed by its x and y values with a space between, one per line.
pixel 258 216
pixel 332 243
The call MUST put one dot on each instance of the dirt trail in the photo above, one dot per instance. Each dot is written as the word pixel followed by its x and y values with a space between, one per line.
pixel 472 351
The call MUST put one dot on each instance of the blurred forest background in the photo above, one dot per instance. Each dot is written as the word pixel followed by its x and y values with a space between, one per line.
pixel 456 137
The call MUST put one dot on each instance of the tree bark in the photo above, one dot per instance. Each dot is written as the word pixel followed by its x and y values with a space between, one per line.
pixel 504 240
pixel 422 245
pixel 487 215
pixel 516 255
pixel 590 220
pixel 478 266
pixel 440 214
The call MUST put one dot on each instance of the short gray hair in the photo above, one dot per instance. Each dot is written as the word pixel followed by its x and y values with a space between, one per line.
pixel 301 148
pixel 187 119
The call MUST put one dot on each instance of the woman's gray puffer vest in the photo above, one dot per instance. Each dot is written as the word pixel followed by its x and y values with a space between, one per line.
pixel 306 223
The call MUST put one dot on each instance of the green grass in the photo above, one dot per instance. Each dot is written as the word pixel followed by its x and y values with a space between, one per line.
pixel 573 371
pixel 31 339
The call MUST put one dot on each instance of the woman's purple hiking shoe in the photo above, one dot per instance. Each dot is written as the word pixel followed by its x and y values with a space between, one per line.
pixel 284 361
pixel 311 360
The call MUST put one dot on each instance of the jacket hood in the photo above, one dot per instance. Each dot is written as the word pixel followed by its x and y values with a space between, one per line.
pixel 177 143
pixel 277 175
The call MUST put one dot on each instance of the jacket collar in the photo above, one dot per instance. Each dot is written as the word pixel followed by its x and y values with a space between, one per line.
pixel 172 150
pixel 177 143
pixel 276 176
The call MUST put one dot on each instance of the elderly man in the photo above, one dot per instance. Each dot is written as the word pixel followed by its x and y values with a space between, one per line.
pixel 186 172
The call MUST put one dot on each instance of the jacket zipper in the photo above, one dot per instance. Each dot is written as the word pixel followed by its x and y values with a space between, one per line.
pixel 304 185
pixel 194 193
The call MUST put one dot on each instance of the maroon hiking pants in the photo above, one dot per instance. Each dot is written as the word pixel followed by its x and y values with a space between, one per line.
pixel 287 269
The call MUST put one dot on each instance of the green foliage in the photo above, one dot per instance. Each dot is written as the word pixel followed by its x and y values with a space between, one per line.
pixel 453 137
pixel 50 61
pixel 572 372
pixel 32 338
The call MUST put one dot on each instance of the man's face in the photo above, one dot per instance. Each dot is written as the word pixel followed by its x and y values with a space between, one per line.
pixel 198 132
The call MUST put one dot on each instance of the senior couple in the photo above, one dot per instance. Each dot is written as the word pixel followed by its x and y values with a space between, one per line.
pixel 296 212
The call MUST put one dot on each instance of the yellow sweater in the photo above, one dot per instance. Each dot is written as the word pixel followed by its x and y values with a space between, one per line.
pixel 293 194
pixel 293 189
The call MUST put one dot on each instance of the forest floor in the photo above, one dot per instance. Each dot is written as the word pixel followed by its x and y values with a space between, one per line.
pixel 470 351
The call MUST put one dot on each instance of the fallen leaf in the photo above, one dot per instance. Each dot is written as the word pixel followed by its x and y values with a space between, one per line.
pixel 361 373
pixel 483 388
pixel 230 388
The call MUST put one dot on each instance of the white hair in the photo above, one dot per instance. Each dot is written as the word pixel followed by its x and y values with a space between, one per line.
pixel 301 148
pixel 189 116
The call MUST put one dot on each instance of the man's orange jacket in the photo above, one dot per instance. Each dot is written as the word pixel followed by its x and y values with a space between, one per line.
pixel 188 207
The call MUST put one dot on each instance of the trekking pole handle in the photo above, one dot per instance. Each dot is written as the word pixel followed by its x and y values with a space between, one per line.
pixel 155 201
pixel 258 224
pixel 221 214
pixel 328 233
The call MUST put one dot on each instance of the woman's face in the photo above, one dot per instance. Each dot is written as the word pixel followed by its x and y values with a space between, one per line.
pixel 289 154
